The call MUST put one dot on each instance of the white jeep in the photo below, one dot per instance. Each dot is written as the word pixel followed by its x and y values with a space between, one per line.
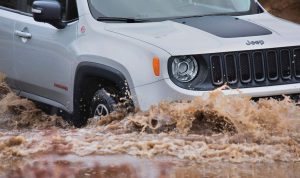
pixel 85 56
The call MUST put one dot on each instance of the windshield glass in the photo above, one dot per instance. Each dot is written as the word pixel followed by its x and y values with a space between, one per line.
pixel 143 9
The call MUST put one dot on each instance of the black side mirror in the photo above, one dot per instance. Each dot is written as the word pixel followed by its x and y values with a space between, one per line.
pixel 48 12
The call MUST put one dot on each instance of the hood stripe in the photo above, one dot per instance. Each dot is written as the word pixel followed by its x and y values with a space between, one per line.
pixel 225 26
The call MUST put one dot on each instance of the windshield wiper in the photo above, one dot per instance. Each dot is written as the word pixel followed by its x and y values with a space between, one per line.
pixel 121 19
pixel 193 16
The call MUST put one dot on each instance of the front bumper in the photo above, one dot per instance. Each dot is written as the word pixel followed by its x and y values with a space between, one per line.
pixel 166 90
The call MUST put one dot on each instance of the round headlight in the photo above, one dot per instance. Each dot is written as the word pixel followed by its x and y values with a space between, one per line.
pixel 184 68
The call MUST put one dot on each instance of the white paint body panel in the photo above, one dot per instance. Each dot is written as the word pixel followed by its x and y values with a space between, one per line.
pixel 128 48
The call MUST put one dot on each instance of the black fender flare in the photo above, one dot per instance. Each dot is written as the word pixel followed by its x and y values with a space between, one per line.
pixel 86 69
pixel 106 72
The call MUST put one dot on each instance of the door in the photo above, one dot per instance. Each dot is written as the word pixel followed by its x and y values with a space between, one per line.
pixel 7 22
pixel 43 57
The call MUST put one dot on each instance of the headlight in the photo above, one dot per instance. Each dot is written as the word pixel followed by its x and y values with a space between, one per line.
pixel 184 68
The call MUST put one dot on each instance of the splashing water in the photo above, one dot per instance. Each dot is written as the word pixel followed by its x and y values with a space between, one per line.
pixel 215 129
pixel 18 113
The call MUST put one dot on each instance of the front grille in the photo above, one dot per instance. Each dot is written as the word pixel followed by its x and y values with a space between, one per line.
pixel 296 57
pixel 244 69
pixel 216 69
pixel 286 65
pixel 230 66
pixel 256 68
pixel 272 65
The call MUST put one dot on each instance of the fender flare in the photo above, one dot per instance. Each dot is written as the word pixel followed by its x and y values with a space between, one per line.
pixel 85 69
pixel 106 72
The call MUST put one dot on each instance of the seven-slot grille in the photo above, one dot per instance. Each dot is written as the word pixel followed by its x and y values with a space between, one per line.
pixel 259 66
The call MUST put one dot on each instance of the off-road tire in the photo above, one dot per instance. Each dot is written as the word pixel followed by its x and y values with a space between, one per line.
pixel 102 98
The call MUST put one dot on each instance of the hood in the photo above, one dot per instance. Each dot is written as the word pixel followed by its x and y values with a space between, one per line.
pixel 213 33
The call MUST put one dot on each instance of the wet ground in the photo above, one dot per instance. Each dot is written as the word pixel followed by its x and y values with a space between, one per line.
pixel 213 136
pixel 126 166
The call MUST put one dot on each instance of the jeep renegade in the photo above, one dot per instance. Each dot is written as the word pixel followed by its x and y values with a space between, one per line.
pixel 85 56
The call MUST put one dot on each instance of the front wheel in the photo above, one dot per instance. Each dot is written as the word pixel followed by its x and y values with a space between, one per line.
pixel 102 104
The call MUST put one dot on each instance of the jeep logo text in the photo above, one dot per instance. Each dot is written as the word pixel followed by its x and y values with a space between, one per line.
pixel 260 42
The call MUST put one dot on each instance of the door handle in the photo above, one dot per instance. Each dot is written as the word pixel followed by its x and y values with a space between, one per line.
pixel 23 34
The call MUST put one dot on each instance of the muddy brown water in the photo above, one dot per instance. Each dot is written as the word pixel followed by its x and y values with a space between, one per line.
pixel 287 9
pixel 212 136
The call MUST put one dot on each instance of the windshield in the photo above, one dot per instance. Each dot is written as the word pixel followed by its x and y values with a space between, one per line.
pixel 149 9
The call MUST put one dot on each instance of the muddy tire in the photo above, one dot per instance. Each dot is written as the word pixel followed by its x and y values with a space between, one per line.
pixel 102 104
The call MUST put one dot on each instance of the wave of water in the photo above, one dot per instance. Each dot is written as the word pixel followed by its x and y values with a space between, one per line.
pixel 214 129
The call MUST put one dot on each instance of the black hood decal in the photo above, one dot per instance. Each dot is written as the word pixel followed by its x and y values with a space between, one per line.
pixel 225 26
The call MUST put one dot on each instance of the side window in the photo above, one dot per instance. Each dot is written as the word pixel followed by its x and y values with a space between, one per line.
pixel 12 4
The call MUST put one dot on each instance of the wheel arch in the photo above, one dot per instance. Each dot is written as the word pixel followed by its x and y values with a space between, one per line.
pixel 86 69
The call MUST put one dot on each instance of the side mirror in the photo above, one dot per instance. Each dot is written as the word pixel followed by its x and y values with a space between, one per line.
pixel 48 12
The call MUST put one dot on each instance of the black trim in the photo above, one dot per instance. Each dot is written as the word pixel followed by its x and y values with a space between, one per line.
pixel 203 81
pixel 230 64
pixel 225 26
pixel 272 65
pixel 216 70
pixel 258 66
pixel 85 69
pixel 286 66
pixel 81 94
pixel 245 67
pixel 296 61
